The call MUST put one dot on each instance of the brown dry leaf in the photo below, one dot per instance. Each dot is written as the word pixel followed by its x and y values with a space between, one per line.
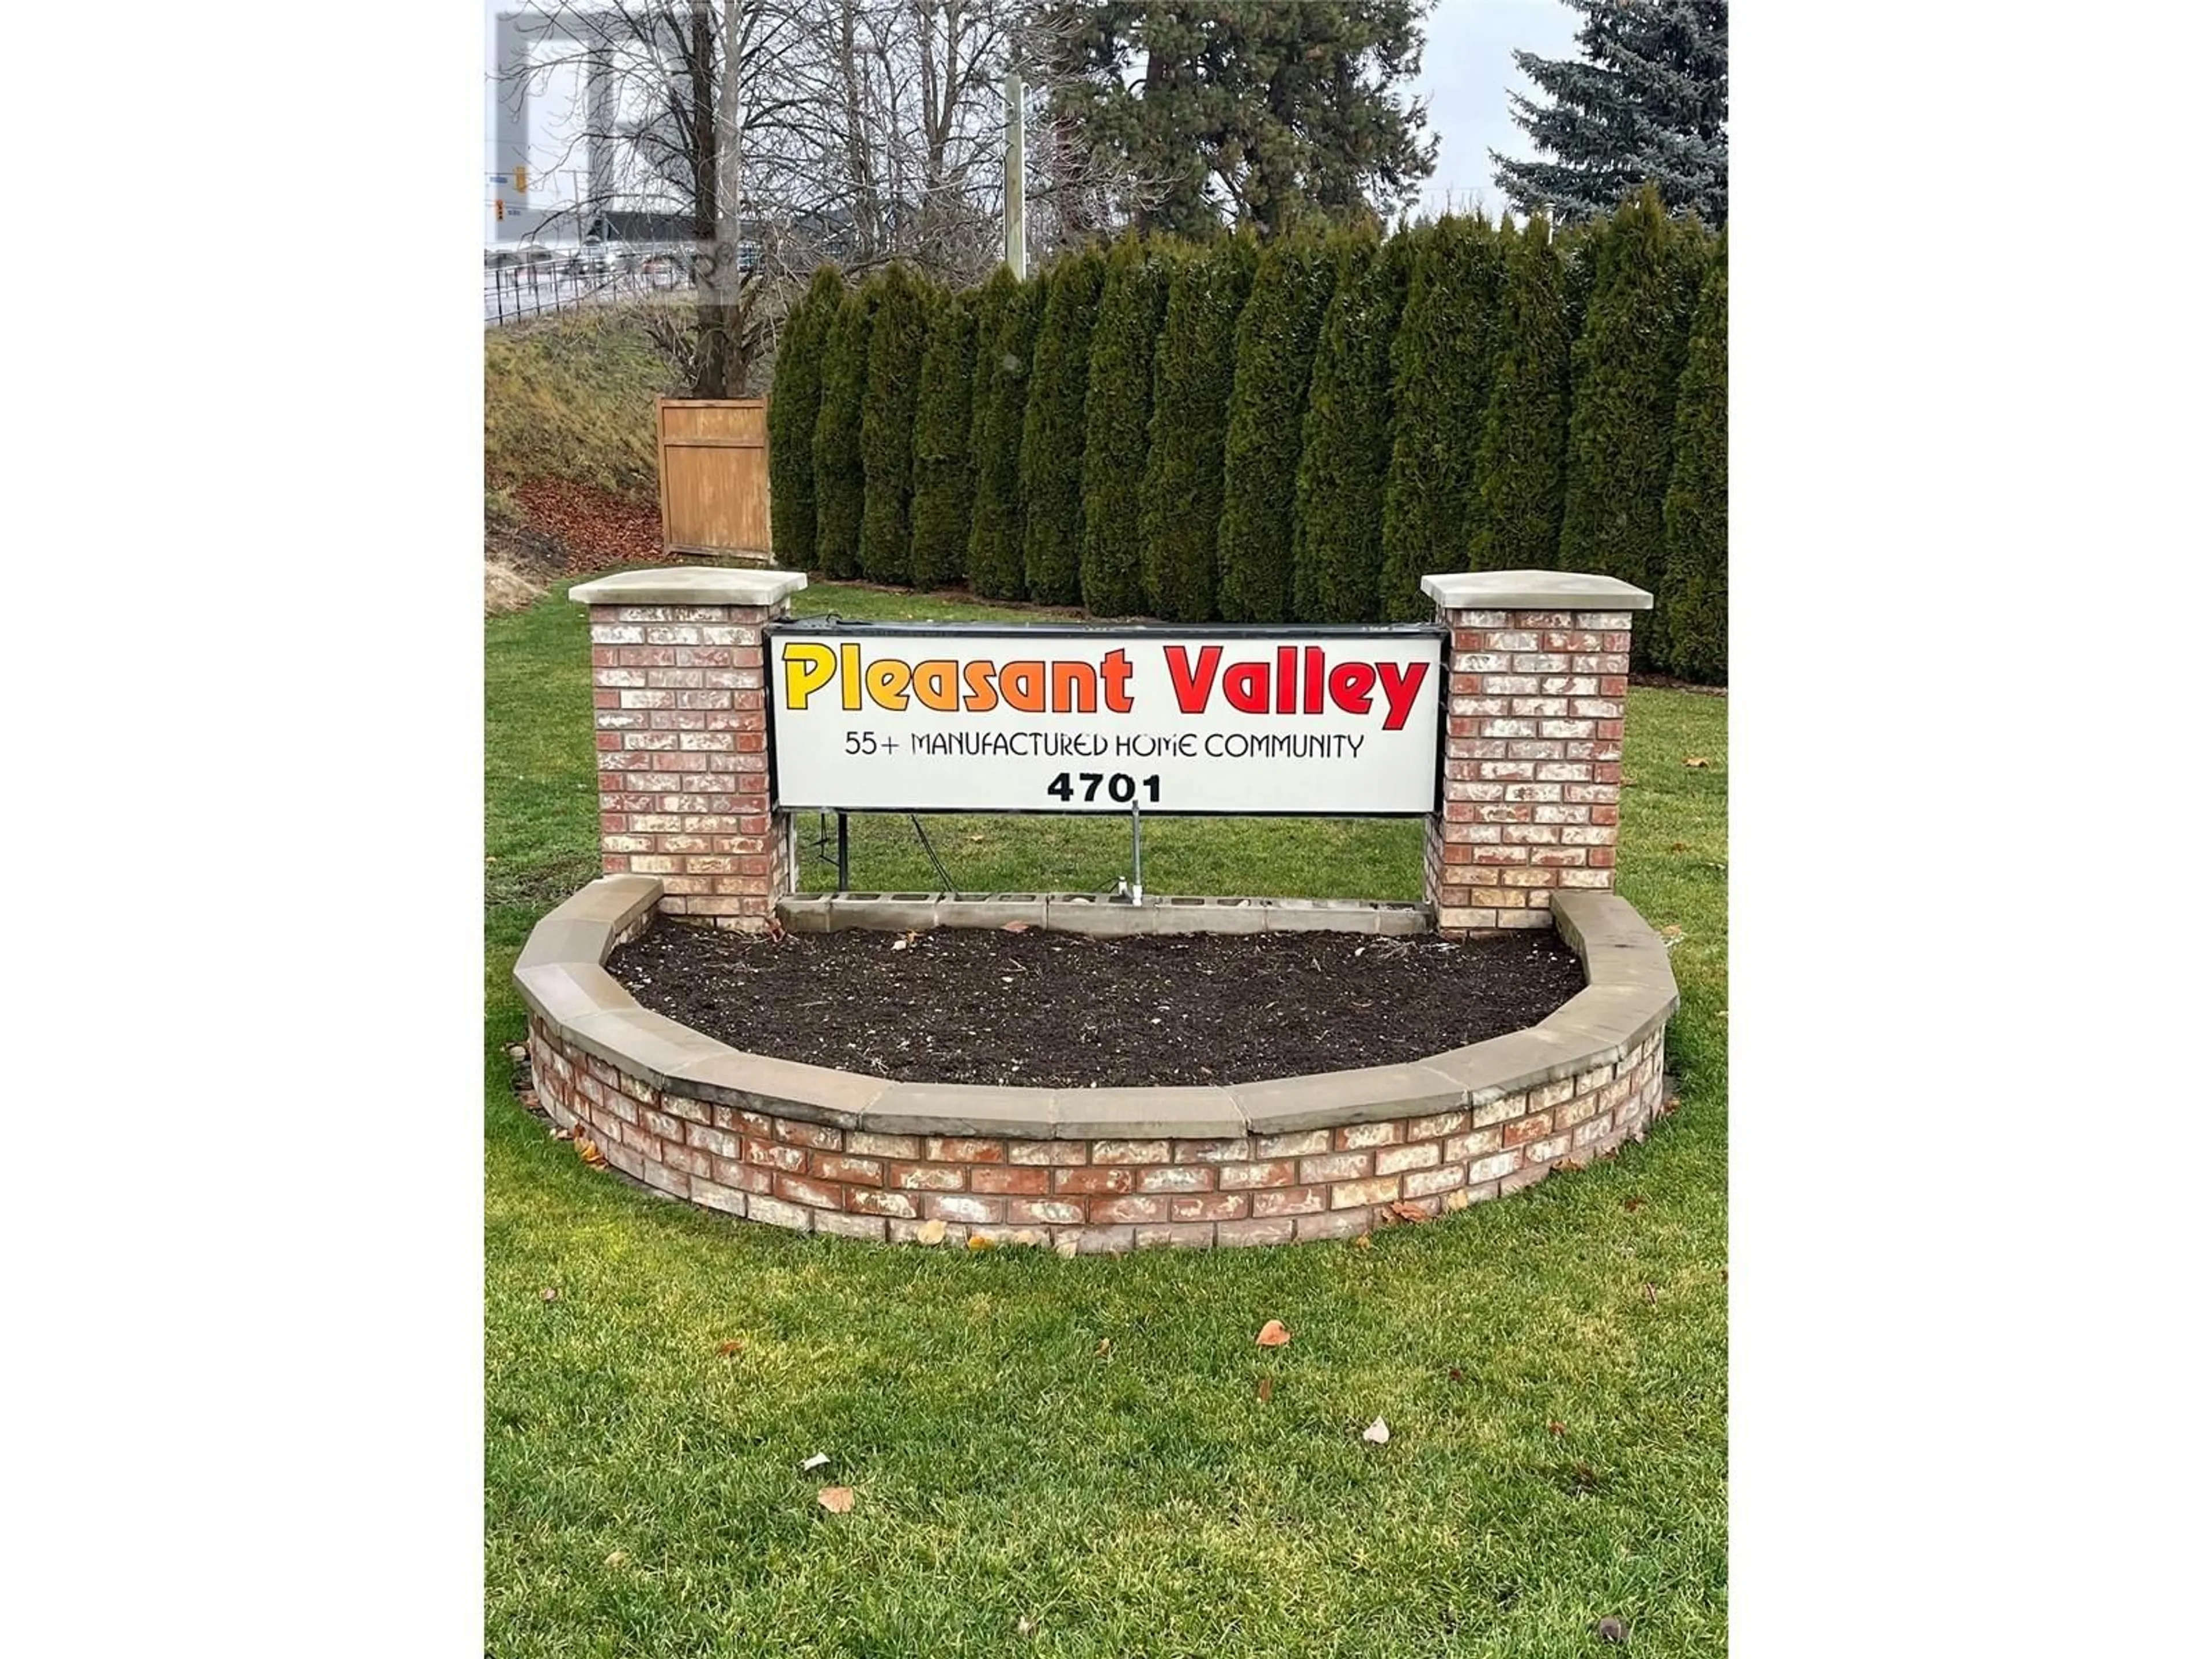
pixel 1556 1426
pixel 1631 1205
pixel 1458 1375
pixel 1273 1335
pixel 976 1242
pixel 590 1152
pixel 1699 762
pixel 1670 931
pixel 1365 1242
pixel 1670 1106
pixel 838 1500
pixel 617 1560
pixel 1105 1346
pixel 1017 926
pixel 930 1232
pixel 733 1347
pixel 1409 1212
pixel 1458 1200
pixel 1680 847
pixel 1267 1389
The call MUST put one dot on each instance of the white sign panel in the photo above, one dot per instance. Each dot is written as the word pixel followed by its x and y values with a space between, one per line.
pixel 954 719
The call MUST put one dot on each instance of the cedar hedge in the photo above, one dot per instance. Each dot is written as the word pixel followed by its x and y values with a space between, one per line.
pixel 1221 431
pixel 994 544
pixel 944 474
pixel 791 415
pixel 839 482
pixel 1117 408
pixel 895 347
pixel 1693 588
pixel 1052 433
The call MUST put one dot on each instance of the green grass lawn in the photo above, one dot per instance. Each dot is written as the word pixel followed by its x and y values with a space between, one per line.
pixel 1071 1457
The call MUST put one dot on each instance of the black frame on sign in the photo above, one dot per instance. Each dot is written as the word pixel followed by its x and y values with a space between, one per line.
pixel 1079 630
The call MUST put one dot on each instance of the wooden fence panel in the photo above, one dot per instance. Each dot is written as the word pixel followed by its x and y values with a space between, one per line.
pixel 714 478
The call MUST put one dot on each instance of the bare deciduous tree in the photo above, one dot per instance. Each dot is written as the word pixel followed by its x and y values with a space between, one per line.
pixel 779 133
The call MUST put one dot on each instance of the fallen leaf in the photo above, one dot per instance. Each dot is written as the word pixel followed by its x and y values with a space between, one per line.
pixel 1698 761
pixel 1365 1242
pixel 1406 1211
pixel 1458 1375
pixel 1458 1200
pixel 1267 1389
pixel 590 1152
pixel 1670 931
pixel 549 1294
pixel 820 1460
pixel 1016 927
pixel 1631 1205
pixel 1273 1335
pixel 1023 1625
pixel 1680 847
pixel 976 1242
pixel 1556 1426
pixel 1065 1249
pixel 838 1500
pixel 930 1232
pixel 731 1346
pixel 902 942
pixel 1611 1630
pixel 1105 1346
pixel 617 1560
pixel 517 1051
pixel 1670 1106
pixel 1377 1432
pixel 777 931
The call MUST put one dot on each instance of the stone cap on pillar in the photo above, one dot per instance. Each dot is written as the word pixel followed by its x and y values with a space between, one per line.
pixel 691 585
pixel 1533 590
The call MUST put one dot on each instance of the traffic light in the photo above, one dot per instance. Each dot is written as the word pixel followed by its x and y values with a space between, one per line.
pixel 521 181
pixel 498 208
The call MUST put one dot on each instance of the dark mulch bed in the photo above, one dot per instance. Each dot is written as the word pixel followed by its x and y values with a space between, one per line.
pixel 1061 1011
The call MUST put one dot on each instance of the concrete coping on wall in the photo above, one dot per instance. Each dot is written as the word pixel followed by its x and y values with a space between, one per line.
pixel 691 585
pixel 1533 590
pixel 1090 914
pixel 1630 995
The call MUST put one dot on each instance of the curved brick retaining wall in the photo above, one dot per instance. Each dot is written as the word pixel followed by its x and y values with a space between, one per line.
pixel 1090 1169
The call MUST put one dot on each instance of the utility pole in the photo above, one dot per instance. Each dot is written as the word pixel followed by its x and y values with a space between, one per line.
pixel 1017 241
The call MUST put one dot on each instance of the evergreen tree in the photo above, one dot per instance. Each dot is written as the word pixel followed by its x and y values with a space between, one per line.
pixel 1276 338
pixel 794 404
pixel 944 473
pixel 1194 369
pixel 1693 590
pixel 1442 362
pixel 1052 433
pixel 1621 435
pixel 895 347
pixel 1292 111
pixel 1646 102
pixel 839 482
pixel 1117 409
pixel 1337 547
pixel 1002 383
pixel 1520 469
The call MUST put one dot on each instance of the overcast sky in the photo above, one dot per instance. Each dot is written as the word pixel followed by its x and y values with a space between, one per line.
pixel 1466 69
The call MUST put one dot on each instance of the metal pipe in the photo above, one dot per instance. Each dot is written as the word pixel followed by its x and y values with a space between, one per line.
pixel 844 866
pixel 1136 851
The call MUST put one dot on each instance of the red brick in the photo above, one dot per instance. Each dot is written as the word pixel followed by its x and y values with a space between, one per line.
pixel 1119 1180
pixel 928 1177
pixel 1209 1206
pixel 954 1149
pixel 990 1178
pixel 837 1166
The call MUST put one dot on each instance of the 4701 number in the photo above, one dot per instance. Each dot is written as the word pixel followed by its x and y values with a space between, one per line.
pixel 1119 786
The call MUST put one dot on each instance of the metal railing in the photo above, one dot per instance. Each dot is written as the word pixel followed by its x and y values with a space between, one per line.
pixel 518 288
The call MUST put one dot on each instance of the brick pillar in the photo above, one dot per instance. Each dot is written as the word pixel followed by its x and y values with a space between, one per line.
pixel 680 704
pixel 1532 743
